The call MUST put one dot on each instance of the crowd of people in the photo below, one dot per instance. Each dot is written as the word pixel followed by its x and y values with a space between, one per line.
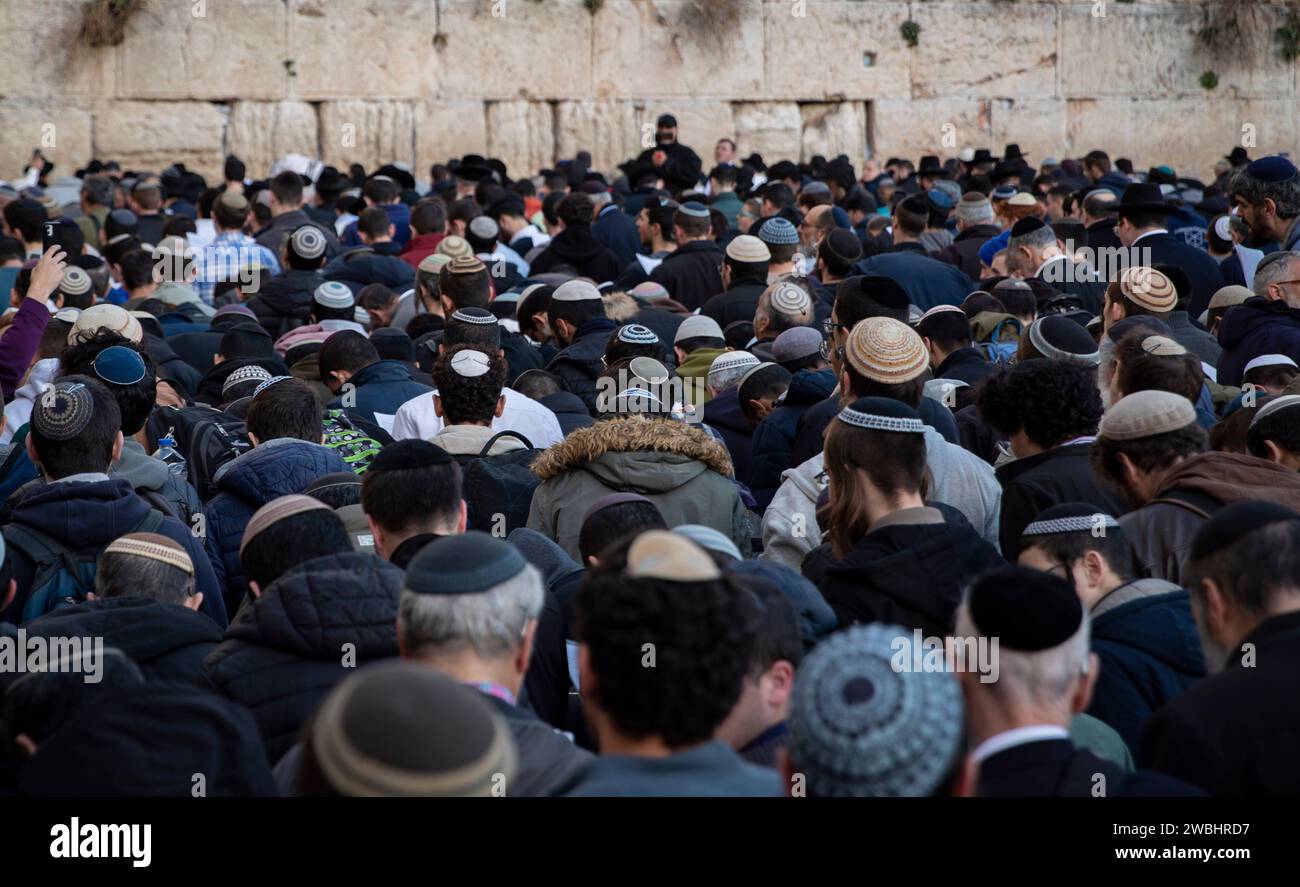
pixel 970 477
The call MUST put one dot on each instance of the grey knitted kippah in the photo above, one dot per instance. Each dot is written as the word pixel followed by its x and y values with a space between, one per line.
pixel 248 373
pixel 859 728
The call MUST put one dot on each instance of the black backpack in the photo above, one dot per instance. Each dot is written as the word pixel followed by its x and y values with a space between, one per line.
pixel 207 437
pixel 499 485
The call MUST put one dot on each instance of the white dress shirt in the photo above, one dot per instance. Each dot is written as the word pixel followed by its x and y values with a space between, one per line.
pixel 416 419
pixel 1019 736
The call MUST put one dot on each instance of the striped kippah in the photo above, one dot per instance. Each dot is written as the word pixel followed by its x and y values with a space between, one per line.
pixel 307 242
pixel 269 382
pixel 1079 524
pixel 886 350
pixel 76 282
pixel 731 360
pixel 475 316
pixel 1149 288
pixel 1275 405
pixel 250 373
pixel 790 298
pixel 455 246
pixel 277 510
pixel 63 411
pixel 636 334
pixel 333 294
pixel 464 265
pixel 154 547
pixel 434 262
pixel 882 414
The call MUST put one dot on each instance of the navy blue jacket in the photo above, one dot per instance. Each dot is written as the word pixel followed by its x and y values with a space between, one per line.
pixel 580 364
pixel 287 649
pixel 1256 326
pixel 398 213
pixel 1200 268
pixel 722 414
pixel 617 231
pixel 273 469
pixel 1146 640
pixel 568 409
pixel 927 282
pixel 381 388
pixel 692 273
pixel 773 440
pixel 86 517
pixel 168 641
pixel 366 265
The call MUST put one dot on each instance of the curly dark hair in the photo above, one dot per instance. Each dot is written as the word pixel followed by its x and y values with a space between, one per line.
pixel 469 401
pixel 135 401
pixel 1051 400
pixel 703 639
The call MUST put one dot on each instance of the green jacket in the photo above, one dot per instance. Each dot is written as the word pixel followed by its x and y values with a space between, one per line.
pixel 696 366
pixel 680 468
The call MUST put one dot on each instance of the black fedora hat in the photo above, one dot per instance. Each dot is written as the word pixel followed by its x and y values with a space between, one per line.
pixel 1005 169
pixel 1012 152
pixel 982 155
pixel 930 166
pixel 1142 197
pixel 1238 156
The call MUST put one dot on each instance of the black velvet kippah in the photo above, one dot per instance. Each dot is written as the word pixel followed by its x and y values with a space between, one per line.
pixel 1026 610
pixel 468 563
pixel 405 454
pixel 885 291
pixel 1027 225
pixel 1235 522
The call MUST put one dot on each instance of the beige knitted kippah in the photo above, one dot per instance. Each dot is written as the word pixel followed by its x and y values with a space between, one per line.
pixel 1227 296
pixel 660 554
pixel 886 350
pixel 454 245
pixel 154 547
pixel 1146 414
pixel 1162 346
pixel 1149 288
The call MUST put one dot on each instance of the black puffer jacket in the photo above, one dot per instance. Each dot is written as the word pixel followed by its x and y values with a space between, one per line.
pixel 284 303
pixel 306 632
pixel 169 642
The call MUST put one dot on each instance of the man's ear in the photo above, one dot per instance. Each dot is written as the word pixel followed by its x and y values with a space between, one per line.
pixel 525 651
pixel 194 601
pixel 1275 453
pixel 437 406
pixel 252 438
pixel 448 306
pixel 680 354
pixel 463 521
pixel 1132 476
pixel 1215 608
pixel 1083 693
pixel 254 589
pixel 501 405
pixel 377 533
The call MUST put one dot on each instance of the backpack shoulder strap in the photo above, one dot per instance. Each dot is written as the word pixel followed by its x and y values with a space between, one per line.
pixel 151 522
pixel 45 552
pixel 487 447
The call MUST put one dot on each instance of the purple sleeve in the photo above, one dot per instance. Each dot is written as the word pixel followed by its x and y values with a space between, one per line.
pixel 19 343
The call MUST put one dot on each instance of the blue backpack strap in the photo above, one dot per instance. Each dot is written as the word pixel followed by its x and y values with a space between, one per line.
pixel 49 557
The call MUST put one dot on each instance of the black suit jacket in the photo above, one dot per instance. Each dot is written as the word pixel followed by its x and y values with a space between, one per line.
pixel 1054 768
pixel 1237 733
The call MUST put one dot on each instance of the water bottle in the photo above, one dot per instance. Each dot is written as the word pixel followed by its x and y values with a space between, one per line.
pixel 169 455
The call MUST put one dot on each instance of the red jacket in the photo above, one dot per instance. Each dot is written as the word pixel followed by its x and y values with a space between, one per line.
pixel 420 247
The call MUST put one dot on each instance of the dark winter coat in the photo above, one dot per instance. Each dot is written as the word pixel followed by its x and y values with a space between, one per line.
pixel 927 282
pixel 273 469
pixel 692 273
pixel 773 439
pixel 911 570
pixel 568 409
pixel 86 517
pixel 1236 733
pixel 965 365
pixel 575 248
pixel 680 170
pixel 1255 327
pixel 380 263
pixel 379 390
pixel 1054 768
pixel 1150 652
pixel 737 303
pixel 307 631
pixel 209 390
pixel 285 301
pixel 1054 477
pixel 1201 270
pixel 722 414
pixel 168 641
pixel 580 364
pixel 617 231
pixel 964 251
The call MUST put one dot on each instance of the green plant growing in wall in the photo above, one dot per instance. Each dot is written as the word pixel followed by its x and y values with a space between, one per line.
pixel 1209 80
pixel 1288 38
pixel 593 6
pixel 911 32
pixel 103 22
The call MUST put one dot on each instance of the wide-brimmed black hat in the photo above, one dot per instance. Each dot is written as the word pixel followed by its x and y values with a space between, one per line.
pixel 982 155
pixel 1012 152
pixel 1238 156
pixel 1005 169
pixel 930 166
pixel 1142 197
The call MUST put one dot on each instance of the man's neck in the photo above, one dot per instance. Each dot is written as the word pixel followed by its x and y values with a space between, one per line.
pixel 143 292
pixel 614 743
pixel 987 721
pixel 285 210
pixel 878 507
pixel 466 668
pixel 663 246
pixel 394 541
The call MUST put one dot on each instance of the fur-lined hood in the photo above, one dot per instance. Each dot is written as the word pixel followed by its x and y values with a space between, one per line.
pixel 632 434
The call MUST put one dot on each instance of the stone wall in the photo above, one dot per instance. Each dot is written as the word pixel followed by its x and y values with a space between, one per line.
pixel 530 80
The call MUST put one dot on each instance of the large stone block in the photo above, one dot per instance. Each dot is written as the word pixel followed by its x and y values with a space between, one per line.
pixel 834 129
pixel 61 131
pixel 43 54
pixel 612 131
pixel 369 133
pixel 1037 125
pixel 261 132
pixel 822 49
pixel 215 49
pixel 773 129
pixel 677 49
pixel 1190 134
pixel 522 134
pixel 448 129
pixel 930 126
pixel 1152 51
pixel 153 135
pixel 370 49
pixel 514 49
pixel 984 52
